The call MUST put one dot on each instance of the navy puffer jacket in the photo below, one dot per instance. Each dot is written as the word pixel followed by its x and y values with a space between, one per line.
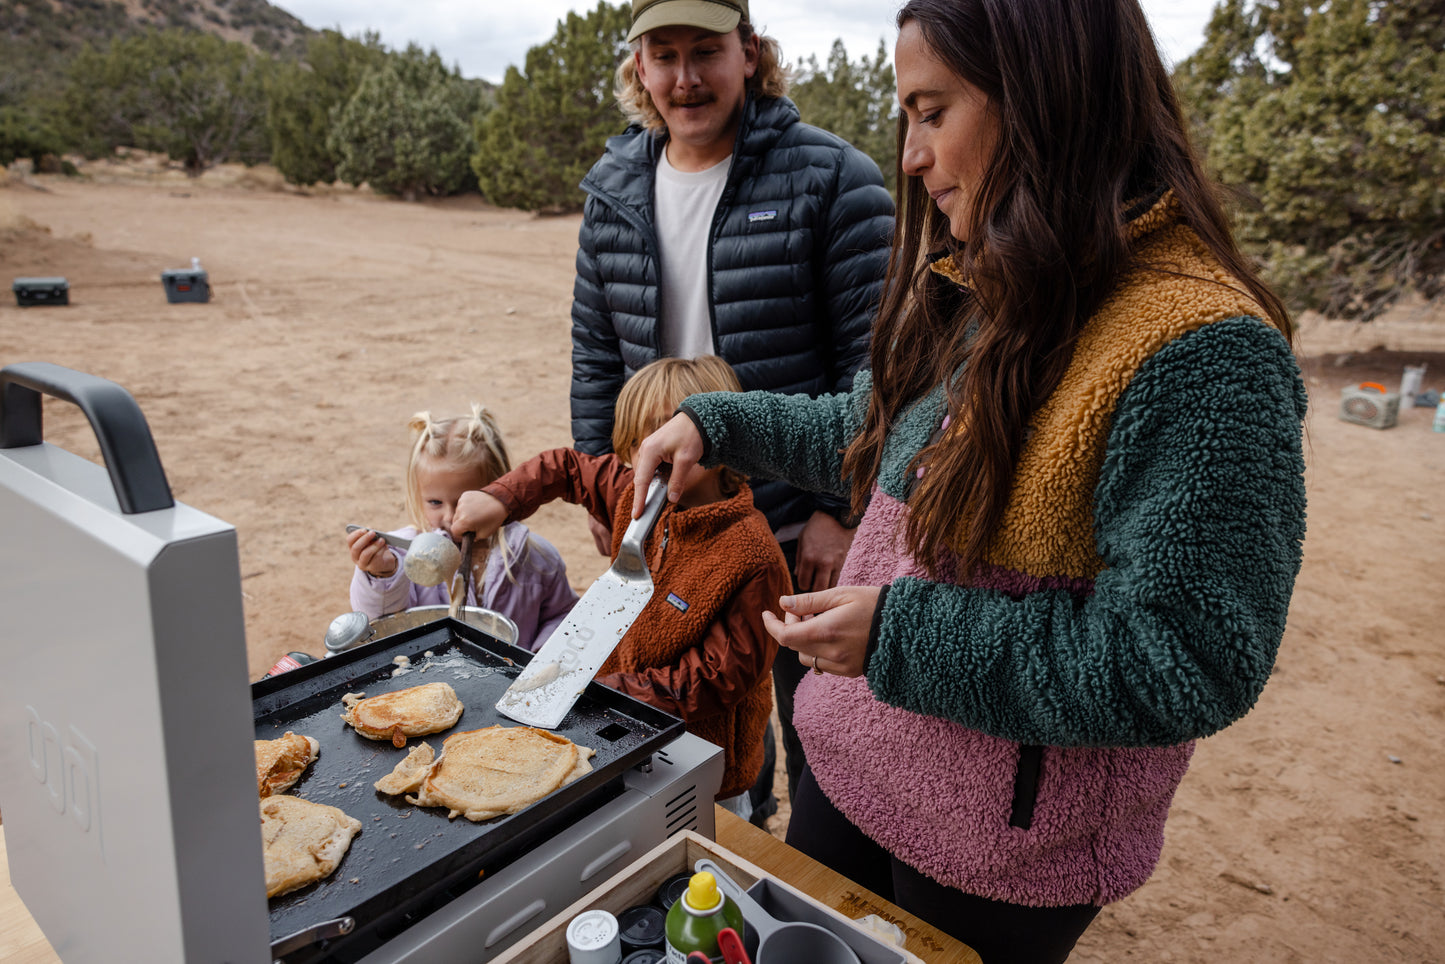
pixel 798 249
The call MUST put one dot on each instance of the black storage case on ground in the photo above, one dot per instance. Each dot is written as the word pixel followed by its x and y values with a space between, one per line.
pixel 186 284
pixel 41 291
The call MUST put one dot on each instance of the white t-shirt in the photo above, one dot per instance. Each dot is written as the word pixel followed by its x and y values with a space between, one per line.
pixel 686 202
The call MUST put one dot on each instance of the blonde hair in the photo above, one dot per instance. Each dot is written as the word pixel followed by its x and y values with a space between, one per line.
pixel 770 80
pixel 651 396
pixel 464 441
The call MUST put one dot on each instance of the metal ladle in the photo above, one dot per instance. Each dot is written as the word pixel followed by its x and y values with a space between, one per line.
pixel 432 559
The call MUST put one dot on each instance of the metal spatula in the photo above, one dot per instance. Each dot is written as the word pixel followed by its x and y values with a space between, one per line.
pixel 571 656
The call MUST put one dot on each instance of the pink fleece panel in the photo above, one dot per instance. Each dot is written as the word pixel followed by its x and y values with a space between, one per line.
pixel 938 795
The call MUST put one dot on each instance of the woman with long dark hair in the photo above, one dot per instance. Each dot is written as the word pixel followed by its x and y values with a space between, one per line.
pixel 1077 455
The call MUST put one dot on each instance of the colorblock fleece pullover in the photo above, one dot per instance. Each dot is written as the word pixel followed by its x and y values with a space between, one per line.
pixel 698 649
pixel 1020 734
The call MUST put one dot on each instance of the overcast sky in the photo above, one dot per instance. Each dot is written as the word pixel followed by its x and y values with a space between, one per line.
pixel 483 37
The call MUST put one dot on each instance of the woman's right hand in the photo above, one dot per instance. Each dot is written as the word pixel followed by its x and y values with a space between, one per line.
pixel 678 442
pixel 371 554
pixel 479 513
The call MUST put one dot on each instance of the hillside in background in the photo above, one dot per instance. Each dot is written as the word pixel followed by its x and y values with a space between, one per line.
pixel 39 37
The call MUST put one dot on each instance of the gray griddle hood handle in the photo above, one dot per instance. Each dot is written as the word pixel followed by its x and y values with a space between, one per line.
pixel 120 427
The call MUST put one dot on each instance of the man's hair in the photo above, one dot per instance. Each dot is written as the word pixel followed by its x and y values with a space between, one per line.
pixel 770 80
pixel 652 396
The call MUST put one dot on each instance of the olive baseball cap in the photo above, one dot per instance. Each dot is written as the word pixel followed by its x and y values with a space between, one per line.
pixel 719 16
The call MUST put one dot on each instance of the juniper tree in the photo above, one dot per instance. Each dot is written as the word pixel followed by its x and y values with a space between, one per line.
pixel 304 96
pixel 856 101
pixel 1331 118
pixel 407 129
pixel 551 120
pixel 198 98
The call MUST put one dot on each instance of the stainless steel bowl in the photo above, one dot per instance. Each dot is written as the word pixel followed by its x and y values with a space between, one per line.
pixel 487 620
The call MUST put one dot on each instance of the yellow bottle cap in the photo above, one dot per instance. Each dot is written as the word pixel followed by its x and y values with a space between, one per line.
pixel 702 892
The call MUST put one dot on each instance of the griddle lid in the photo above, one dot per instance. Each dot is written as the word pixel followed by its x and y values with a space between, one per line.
pixel 132 828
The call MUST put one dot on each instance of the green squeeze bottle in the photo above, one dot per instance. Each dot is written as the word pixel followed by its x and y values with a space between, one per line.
pixel 694 921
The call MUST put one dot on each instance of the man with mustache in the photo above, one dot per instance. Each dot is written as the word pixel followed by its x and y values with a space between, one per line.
pixel 719 223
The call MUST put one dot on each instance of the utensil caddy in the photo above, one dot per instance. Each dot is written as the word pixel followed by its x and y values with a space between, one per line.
pixel 638 882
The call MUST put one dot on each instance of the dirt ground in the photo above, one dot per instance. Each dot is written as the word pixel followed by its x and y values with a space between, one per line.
pixel 1312 830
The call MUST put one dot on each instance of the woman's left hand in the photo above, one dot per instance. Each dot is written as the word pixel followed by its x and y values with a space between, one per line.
pixel 828 629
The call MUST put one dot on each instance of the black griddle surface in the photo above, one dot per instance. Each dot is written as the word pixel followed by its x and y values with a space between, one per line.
pixel 402 850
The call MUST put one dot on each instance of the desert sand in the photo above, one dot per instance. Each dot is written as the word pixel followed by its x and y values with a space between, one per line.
pixel 1312 830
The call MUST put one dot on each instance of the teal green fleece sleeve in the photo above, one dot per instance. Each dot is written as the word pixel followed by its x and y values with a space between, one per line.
pixel 790 437
pixel 1199 516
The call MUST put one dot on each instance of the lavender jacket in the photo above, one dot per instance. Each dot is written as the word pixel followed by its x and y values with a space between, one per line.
pixel 535 595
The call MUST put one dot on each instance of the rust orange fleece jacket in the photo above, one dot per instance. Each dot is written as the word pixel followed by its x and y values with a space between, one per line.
pixel 698 648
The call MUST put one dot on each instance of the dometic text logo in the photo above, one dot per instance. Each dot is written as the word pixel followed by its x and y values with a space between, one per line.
pixel 856 905
pixel 69 769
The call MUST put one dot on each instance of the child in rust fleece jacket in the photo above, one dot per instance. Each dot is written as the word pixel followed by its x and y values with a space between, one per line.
pixel 698 649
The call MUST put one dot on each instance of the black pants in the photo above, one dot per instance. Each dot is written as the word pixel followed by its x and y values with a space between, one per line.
pixel 787 674
pixel 1001 933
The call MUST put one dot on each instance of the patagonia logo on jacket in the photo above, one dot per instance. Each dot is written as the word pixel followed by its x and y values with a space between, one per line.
pixel 756 216
pixel 677 602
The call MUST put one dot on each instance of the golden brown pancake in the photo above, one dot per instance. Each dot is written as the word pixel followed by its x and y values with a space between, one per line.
pixel 409 773
pixel 490 772
pixel 280 762
pixel 410 712
pixel 303 841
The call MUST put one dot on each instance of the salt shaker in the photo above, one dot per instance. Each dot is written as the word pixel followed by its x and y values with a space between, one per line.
pixel 593 938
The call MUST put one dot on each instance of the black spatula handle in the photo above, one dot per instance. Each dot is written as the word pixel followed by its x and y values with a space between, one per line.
pixel 125 438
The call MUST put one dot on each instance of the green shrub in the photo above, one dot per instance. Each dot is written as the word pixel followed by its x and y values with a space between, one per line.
pixel 550 122
pixel 1330 118
pixel 407 129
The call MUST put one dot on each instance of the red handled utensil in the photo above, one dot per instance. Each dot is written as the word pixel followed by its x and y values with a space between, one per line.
pixel 731 945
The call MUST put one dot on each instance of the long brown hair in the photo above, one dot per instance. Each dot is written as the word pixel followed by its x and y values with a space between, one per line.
pixel 1088 123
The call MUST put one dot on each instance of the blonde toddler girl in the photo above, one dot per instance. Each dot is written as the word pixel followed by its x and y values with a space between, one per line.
pixel 514 571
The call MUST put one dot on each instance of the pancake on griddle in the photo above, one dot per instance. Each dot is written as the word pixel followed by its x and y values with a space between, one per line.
pixel 280 762
pixel 493 771
pixel 409 773
pixel 303 841
pixel 395 716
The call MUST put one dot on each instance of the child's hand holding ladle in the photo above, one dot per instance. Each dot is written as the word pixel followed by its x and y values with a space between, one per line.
pixel 371 554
